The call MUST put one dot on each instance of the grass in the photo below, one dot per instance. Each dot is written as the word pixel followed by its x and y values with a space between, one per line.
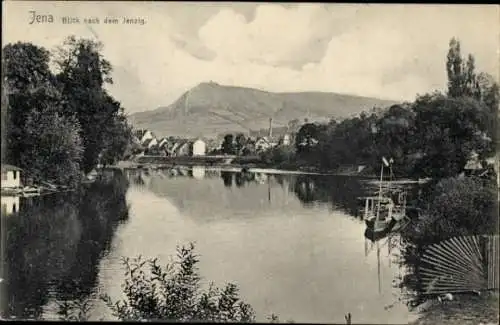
pixel 463 310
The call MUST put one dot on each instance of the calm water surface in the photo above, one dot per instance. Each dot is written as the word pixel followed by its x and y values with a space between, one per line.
pixel 295 245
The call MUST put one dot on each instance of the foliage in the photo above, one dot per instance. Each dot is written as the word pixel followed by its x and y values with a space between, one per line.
pixel 461 75
pixel 118 140
pixel 82 75
pixel 59 125
pixel 55 242
pixel 463 81
pixel 307 137
pixel 280 155
pixel 227 144
pixel 42 141
pixel 434 136
pixel 52 148
pixel 174 293
pixel 447 131
pixel 456 206
pixel 293 126
pixel 78 311
pixel 240 143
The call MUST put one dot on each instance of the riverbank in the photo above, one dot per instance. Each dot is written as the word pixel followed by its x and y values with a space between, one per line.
pixel 463 310
pixel 250 166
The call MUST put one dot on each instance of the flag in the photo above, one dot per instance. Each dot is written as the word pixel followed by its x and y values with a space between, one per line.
pixel 385 161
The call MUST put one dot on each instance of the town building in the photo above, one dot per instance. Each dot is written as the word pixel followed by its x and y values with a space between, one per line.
pixel 147 136
pixel 181 148
pixel 199 148
pixel 11 176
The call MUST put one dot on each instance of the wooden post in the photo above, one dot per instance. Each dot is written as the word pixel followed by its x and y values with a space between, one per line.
pixel 367 205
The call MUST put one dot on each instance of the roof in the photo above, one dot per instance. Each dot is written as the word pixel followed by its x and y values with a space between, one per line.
pixel 472 164
pixel 147 142
pixel 140 133
pixel 6 167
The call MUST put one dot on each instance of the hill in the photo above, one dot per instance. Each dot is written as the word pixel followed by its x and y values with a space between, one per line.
pixel 210 109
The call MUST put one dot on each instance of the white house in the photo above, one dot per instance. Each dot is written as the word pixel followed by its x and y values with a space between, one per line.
pixel 146 136
pixel 162 143
pixel 152 143
pixel 199 148
pixel 11 176
pixel 10 205
pixel 286 140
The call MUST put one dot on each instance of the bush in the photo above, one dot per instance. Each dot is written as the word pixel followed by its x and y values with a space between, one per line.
pixel 457 206
pixel 281 155
pixel 174 293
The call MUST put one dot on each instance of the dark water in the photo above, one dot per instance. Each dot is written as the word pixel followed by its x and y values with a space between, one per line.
pixel 294 244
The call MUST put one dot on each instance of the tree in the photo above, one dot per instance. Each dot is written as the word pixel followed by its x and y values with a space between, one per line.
pixel 307 137
pixel 41 140
pixel 52 148
pixel 29 86
pixel 456 206
pixel 395 138
pixel 118 141
pixel 447 131
pixel 464 81
pixel 83 73
pixel 462 78
pixel 174 293
pixel 293 125
pixel 240 143
pixel 227 144
pixel 490 97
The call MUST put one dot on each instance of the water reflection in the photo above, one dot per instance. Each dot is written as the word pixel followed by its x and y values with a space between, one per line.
pixel 287 233
pixel 340 192
pixel 10 205
pixel 54 242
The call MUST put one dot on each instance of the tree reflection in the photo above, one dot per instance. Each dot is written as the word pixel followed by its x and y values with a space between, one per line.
pixel 340 191
pixel 55 242
pixel 227 178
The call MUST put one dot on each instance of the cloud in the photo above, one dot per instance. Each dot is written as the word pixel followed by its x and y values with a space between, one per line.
pixel 193 47
pixel 387 51
pixel 299 36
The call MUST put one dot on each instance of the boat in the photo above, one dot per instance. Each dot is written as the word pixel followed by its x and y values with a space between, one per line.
pixel 387 211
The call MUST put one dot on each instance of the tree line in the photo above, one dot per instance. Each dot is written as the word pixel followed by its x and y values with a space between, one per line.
pixel 61 121
pixel 433 136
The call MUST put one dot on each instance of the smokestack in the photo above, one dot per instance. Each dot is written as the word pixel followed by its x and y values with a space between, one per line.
pixel 270 127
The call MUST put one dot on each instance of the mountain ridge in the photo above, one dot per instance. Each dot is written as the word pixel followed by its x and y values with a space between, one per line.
pixel 209 109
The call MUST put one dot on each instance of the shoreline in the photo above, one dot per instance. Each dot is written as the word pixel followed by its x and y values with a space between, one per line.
pixel 249 167
pixel 370 178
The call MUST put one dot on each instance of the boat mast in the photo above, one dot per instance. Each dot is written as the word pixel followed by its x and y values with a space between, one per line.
pixel 378 267
pixel 380 191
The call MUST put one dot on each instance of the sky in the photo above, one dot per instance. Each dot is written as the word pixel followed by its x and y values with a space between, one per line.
pixel 377 50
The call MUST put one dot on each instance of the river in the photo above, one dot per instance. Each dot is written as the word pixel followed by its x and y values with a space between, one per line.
pixel 294 244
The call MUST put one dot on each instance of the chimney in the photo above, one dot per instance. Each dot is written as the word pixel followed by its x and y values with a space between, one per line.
pixel 270 127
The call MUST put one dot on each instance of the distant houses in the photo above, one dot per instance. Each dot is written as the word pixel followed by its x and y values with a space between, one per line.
pixel 262 144
pixel 172 146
